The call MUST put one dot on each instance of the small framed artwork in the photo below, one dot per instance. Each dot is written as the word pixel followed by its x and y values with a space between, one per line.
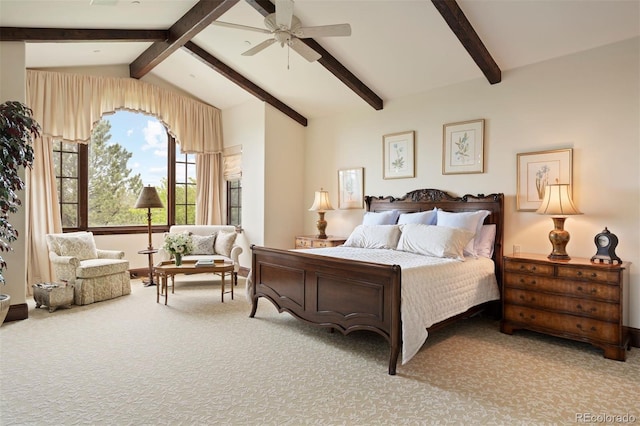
pixel 351 188
pixel 399 159
pixel 463 147
pixel 536 170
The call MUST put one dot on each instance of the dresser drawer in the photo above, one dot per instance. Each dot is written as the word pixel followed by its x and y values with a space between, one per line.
pixel 538 269
pixel 580 327
pixel 303 243
pixel 585 307
pixel 590 274
pixel 566 287
pixel 322 243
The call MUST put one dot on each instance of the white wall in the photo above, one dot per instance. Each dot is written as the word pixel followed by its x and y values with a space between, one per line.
pixel 245 125
pixel 13 88
pixel 284 175
pixel 587 101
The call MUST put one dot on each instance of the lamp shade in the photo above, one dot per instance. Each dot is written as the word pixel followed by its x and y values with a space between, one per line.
pixel 557 201
pixel 149 199
pixel 321 202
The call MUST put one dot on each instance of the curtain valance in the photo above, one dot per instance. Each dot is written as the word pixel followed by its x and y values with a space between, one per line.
pixel 68 105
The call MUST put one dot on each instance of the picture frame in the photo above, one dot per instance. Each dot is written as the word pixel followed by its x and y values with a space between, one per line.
pixel 463 147
pixel 537 169
pixel 398 158
pixel 351 188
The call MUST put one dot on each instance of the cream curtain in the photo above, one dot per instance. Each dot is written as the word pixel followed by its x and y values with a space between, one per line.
pixel 68 105
pixel 208 204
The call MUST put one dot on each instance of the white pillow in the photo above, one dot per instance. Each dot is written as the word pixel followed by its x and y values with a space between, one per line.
pixel 436 241
pixel 381 218
pixel 425 218
pixel 224 243
pixel 471 221
pixel 203 244
pixel 374 237
pixel 484 242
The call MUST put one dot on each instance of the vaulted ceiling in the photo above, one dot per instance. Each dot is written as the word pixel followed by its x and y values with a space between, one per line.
pixel 397 47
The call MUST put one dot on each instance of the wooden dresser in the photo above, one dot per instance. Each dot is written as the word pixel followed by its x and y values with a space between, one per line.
pixel 575 299
pixel 311 241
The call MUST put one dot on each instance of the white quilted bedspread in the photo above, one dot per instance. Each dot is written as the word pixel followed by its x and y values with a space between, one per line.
pixel 433 289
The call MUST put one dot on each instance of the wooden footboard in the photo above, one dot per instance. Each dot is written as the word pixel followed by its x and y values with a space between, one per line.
pixel 340 294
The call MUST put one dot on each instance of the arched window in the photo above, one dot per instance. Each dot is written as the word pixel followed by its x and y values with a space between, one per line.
pixel 98 183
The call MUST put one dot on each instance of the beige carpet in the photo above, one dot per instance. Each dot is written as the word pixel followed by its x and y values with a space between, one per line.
pixel 130 361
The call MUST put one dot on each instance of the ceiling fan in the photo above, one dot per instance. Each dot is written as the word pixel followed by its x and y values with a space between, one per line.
pixel 288 30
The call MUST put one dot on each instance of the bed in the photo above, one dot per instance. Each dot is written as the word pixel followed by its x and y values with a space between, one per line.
pixel 348 295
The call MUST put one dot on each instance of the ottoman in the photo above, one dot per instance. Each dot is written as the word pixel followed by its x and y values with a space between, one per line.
pixel 53 295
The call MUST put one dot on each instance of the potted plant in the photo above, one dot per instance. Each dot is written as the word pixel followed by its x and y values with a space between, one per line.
pixel 17 129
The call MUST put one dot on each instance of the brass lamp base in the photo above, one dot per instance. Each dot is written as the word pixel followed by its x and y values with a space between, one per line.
pixel 322 226
pixel 559 239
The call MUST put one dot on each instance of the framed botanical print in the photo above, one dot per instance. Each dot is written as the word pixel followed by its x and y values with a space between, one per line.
pixel 536 170
pixel 351 188
pixel 463 147
pixel 398 157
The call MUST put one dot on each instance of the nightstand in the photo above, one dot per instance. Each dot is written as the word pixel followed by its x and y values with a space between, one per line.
pixel 311 241
pixel 574 299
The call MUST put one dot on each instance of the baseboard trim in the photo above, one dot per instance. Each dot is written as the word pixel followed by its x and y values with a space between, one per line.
pixel 17 312
pixel 243 272
pixel 635 337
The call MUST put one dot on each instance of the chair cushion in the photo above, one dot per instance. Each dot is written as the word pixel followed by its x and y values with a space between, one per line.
pixel 203 244
pixel 224 243
pixel 79 245
pixel 92 268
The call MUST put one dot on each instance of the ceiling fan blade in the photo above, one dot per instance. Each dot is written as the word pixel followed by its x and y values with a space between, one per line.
pixel 303 50
pixel 337 30
pixel 258 47
pixel 284 13
pixel 241 27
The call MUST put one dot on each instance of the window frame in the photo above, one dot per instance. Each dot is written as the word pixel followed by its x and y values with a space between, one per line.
pixel 231 205
pixel 83 195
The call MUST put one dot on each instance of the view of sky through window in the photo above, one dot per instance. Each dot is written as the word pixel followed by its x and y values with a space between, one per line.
pixel 146 138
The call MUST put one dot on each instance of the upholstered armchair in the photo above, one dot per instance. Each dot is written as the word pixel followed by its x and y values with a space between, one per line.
pixel 95 274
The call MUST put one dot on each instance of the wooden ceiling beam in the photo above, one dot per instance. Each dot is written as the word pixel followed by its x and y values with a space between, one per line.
pixel 462 28
pixel 237 78
pixel 60 35
pixel 265 7
pixel 195 20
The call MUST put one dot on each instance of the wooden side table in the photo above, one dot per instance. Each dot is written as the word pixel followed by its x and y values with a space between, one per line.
pixel 312 241
pixel 574 299
pixel 149 252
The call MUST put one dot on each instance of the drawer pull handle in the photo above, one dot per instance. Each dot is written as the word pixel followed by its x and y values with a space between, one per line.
pixel 579 273
pixel 590 329
pixel 533 282
pixel 533 268
pixel 594 275
pixel 532 316
pixel 593 309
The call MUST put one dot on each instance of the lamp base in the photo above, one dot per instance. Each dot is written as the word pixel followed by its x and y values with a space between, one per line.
pixel 322 226
pixel 559 239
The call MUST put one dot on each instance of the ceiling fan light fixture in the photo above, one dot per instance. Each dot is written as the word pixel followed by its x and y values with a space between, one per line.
pixel 286 29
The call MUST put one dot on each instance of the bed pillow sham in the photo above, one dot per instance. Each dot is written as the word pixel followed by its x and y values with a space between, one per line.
pixel 471 221
pixel 485 241
pixel 374 237
pixel 435 241
pixel 426 218
pixel 381 218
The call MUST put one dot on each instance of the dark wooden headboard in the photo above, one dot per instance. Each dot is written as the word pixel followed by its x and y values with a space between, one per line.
pixel 426 199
